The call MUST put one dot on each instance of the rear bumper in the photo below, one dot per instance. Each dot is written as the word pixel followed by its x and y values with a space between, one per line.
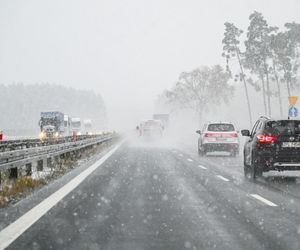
pixel 282 166
pixel 228 147
pixel 280 161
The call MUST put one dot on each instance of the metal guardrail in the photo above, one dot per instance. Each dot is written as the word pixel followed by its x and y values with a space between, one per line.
pixel 22 154
pixel 11 145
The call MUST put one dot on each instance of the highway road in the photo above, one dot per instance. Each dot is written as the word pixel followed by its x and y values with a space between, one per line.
pixel 148 196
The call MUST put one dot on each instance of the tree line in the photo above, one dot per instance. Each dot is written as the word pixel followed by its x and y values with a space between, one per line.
pixel 267 59
pixel 21 105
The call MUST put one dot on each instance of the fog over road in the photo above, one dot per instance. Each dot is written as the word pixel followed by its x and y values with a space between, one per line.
pixel 147 196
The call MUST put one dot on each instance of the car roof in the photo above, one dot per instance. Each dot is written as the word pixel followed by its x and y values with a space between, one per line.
pixel 220 122
pixel 280 118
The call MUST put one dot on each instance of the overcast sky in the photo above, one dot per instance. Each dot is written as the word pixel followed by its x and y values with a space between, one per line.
pixel 127 50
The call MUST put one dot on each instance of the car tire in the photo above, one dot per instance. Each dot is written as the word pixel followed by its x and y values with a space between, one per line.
pixel 249 173
pixel 253 171
pixel 234 153
pixel 201 152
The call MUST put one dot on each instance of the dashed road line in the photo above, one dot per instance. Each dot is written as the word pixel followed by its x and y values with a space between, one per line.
pixel 181 155
pixel 200 166
pixel 222 178
pixel 190 160
pixel 263 200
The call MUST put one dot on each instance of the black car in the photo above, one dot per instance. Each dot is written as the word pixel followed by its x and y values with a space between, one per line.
pixel 272 145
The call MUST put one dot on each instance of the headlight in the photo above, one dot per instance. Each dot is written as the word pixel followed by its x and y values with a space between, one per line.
pixel 42 135
pixel 56 134
pixel 79 133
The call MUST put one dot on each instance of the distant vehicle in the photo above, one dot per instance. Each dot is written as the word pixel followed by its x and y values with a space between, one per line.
pixel 76 126
pixel 164 118
pixel 51 125
pixel 87 126
pixel 220 136
pixel 152 128
pixel 272 145
pixel 67 125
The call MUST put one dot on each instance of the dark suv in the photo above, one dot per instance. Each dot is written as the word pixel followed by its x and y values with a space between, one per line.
pixel 272 145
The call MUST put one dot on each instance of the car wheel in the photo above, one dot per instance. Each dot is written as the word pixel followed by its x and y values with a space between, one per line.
pixel 201 152
pixel 234 153
pixel 253 171
pixel 249 173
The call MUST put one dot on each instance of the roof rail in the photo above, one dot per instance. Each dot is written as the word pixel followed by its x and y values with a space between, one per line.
pixel 265 117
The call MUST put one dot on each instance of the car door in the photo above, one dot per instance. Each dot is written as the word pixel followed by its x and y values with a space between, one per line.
pixel 249 143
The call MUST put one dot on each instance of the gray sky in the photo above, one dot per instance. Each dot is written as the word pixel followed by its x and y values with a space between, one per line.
pixel 127 50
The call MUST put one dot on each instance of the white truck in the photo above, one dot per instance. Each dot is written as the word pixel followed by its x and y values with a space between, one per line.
pixel 87 124
pixel 76 126
pixel 67 125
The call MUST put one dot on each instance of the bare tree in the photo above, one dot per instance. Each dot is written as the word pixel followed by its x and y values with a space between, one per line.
pixel 200 88
pixel 231 50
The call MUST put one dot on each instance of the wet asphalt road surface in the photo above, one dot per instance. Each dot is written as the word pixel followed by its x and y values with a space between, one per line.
pixel 152 197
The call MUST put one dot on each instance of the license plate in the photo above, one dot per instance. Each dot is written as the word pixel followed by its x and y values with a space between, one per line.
pixel 221 139
pixel 291 144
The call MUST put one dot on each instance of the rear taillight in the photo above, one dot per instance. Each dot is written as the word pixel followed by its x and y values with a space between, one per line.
pixel 220 135
pixel 209 134
pixel 266 139
pixel 232 135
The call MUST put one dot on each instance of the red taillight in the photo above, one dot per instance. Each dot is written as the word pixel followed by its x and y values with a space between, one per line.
pixel 220 135
pixel 209 134
pixel 232 135
pixel 263 138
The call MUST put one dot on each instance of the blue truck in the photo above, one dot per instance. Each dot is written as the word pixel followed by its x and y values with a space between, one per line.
pixel 51 125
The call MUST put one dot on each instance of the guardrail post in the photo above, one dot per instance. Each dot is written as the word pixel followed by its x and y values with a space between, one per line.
pixel 49 162
pixel 13 173
pixel 40 164
pixel 28 169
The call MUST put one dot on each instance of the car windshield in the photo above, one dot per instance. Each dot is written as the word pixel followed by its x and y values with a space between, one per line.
pixel 283 127
pixel 140 124
pixel 220 127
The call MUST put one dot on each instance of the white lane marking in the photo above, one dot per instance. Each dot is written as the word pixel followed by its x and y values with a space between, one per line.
pixel 222 178
pixel 18 227
pixel 262 199
pixel 200 166
pixel 190 160
pixel 180 155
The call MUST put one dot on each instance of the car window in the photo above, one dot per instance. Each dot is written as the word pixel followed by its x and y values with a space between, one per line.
pixel 283 127
pixel 253 132
pixel 220 127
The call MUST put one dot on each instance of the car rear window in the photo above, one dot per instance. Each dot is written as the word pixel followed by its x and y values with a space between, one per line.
pixel 221 127
pixel 283 127
pixel 152 124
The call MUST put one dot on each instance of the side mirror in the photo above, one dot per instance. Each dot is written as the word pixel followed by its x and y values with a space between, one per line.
pixel 198 132
pixel 245 132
